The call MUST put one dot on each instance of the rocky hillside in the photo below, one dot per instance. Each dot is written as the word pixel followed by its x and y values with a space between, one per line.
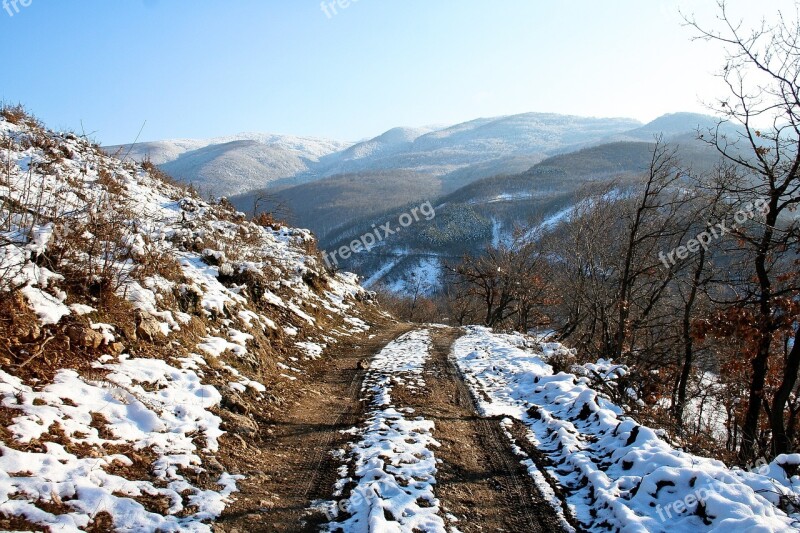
pixel 138 325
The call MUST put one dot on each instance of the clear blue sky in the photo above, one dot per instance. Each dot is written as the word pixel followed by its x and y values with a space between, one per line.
pixel 203 68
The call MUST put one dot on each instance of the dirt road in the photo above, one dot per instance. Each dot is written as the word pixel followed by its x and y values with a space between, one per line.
pixel 480 480
pixel 295 466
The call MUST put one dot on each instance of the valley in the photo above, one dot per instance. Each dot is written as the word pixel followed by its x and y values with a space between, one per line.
pixel 499 173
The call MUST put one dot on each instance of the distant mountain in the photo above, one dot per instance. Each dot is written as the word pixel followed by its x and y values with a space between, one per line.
pixel 670 126
pixel 502 144
pixel 460 154
pixel 486 175
pixel 326 205
pixel 487 211
pixel 453 156
pixel 237 164
pixel 391 142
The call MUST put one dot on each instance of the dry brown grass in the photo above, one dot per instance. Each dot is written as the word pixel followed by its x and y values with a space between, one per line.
pixel 28 350
pixel 267 220
pixel 158 174
pixel 16 523
pixel 107 179
pixel 15 114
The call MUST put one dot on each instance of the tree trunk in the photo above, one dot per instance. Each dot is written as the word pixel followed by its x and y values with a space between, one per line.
pixel 761 360
pixel 688 342
pixel 780 439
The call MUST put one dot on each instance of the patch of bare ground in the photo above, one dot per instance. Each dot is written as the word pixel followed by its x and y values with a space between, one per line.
pixel 519 432
pixel 290 463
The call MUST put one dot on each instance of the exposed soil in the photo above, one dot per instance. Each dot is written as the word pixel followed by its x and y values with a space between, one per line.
pixel 294 465
pixel 519 432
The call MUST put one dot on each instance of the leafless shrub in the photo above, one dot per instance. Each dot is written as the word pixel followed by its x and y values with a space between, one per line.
pixel 14 114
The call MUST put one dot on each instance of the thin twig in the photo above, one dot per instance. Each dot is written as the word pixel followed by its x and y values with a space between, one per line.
pixel 37 354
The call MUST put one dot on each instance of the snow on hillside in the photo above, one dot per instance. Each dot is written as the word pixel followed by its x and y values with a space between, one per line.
pixel 136 311
pixel 487 146
pixel 520 133
pixel 392 141
pixel 234 164
pixel 474 144
pixel 160 152
pixel 423 278
pixel 617 474
pixel 392 467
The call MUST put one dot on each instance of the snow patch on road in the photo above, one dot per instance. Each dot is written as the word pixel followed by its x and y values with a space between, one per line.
pixel 393 464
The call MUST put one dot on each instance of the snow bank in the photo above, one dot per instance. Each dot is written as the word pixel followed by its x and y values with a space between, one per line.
pixel 617 474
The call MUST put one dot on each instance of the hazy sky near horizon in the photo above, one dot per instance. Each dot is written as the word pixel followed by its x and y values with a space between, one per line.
pixel 208 68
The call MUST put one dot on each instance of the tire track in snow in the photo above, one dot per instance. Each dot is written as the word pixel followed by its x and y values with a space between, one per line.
pixel 482 484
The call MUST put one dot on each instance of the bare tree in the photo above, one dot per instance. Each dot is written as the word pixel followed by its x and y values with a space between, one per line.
pixel 267 202
pixel 505 282
pixel 761 72
pixel 651 222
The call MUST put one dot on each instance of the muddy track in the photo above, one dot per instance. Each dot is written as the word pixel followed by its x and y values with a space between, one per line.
pixel 480 480
pixel 295 463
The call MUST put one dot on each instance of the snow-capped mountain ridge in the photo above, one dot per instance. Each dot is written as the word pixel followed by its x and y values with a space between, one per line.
pixel 456 154
pixel 233 164
pixel 486 145
pixel 159 152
